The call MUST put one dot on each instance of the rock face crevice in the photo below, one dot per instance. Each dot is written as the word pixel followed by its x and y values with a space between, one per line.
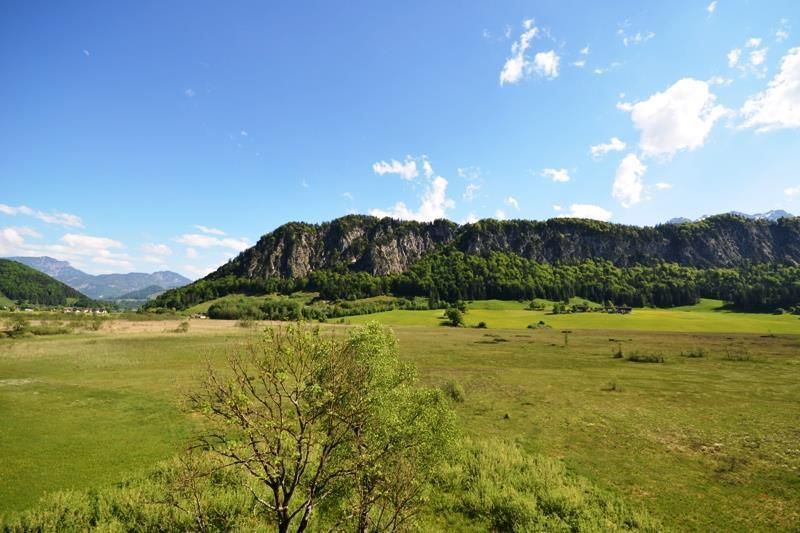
pixel 386 246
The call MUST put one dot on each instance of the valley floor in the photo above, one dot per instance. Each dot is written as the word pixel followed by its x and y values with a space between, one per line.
pixel 706 443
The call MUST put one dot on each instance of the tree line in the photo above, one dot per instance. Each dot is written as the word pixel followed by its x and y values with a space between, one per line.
pixel 450 275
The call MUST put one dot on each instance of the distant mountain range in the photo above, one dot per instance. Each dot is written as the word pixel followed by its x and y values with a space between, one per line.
pixel 106 286
pixel 772 216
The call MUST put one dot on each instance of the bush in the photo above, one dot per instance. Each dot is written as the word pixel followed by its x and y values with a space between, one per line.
pixel 645 358
pixel 183 327
pixel 454 317
pixel 454 391
pixel 482 325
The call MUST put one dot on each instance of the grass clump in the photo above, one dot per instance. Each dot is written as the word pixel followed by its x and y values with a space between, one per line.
pixel 694 353
pixel 183 327
pixel 645 358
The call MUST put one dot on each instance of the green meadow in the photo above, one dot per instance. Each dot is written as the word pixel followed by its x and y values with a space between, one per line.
pixel 708 440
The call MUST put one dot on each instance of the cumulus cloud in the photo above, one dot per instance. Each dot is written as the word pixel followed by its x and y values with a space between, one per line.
pixel 55 217
pixel 556 207
pixel 516 67
pixel 662 186
pixel 587 211
pixel 500 214
pixel 680 118
pixel 628 186
pixel 406 169
pixel 613 145
pixel 791 192
pixel 434 204
pixel 512 202
pixel 197 240
pixel 470 219
pixel 559 175
pixel 210 231
pixel 546 64
pixel 777 107
pixel 579 63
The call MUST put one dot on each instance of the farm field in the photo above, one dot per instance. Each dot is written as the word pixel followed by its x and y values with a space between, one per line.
pixel 704 443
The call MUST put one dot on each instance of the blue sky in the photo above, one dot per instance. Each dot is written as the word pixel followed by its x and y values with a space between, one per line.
pixel 152 135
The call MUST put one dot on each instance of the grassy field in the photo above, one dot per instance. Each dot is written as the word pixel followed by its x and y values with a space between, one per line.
pixel 706 317
pixel 705 443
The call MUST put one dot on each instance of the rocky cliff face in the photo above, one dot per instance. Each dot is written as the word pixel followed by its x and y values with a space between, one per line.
pixel 385 246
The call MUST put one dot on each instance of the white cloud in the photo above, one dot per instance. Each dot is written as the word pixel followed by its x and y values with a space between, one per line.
pixel 427 169
pixel 588 211
pixel 757 57
pixel 434 204
pixel 156 249
pixel 559 175
pixel 662 186
pixel 304 184
pixel 627 188
pixel 348 195
pixel 406 170
pixel 244 133
pixel 613 145
pixel 791 192
pixel 86 52
pixel 61 219
pixel 500 214
pixel 585 50
pixel 712 7
pixel 191 253
pixel 197 240
pixel 210 231
pixel 778 107
pixel 579 63
pixel 733 57
pixel 719 80
pixel 680 118
pixel 470 192
pixel 517 66
pixel 753 42
pixel 556 207
pixel 512 202
pixel 636 38
pixel 546 64
pixel 11 241
pixel 470 219
pixel 189 92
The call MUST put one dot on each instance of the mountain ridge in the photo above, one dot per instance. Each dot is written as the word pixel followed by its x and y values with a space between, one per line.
pixel 105 286
pixel 387 246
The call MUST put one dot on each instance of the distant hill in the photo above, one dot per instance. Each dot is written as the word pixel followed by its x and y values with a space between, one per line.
pixel 105 286
pixel 151 291
pixel 20 282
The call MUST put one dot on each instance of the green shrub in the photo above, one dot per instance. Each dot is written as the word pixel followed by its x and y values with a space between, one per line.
pixel 482 325
pixel 183 327
pixel 454 391
pixel 645 358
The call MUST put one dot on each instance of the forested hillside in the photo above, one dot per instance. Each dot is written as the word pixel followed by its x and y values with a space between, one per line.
pixel 752 263
pixel 22 283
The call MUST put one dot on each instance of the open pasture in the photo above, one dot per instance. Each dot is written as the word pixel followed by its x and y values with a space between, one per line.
pixel 706 440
